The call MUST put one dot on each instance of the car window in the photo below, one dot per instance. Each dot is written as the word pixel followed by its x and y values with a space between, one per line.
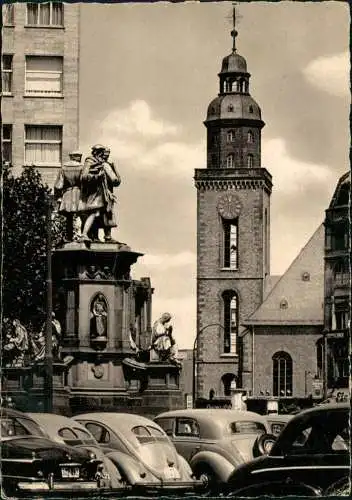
pixel 166 423
pixel 12 427
pixel 99 432
pixel 155 432
pixel 245 427
pixel 140 430
pixel 67 434
pixel 186 427
pixel 83 435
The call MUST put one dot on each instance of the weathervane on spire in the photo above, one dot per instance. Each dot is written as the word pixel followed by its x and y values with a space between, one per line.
pixel 234 33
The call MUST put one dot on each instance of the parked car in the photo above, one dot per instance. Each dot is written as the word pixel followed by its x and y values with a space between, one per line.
pixel 214 441
pixel 65 430
pixel 144 455
pixel 32 465
pixel 310 456
pixel 277 422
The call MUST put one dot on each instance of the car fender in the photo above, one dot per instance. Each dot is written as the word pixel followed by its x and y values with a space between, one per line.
pixel 184 466
pixel 127 466
pixel 221 467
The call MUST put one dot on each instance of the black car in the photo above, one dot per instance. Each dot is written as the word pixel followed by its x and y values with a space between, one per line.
pixel 32 465
pixel 310 456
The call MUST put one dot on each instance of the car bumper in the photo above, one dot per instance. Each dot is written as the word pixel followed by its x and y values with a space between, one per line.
pixel 41 487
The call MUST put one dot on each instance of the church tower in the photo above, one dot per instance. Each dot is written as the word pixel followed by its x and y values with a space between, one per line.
pixel 233 233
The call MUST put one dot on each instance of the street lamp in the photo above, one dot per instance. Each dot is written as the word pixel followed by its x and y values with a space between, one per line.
pixel 49 308
pixel 195 346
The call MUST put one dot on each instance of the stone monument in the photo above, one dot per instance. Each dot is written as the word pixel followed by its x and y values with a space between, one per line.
pixel 105 314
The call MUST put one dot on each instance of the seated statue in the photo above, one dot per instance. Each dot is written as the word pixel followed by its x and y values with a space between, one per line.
pixel 163 343
pixel 15 345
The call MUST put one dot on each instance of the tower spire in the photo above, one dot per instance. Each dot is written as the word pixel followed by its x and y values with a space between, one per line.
pixel 234 33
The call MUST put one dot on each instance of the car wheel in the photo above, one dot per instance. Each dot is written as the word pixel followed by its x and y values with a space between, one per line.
pixel 205 474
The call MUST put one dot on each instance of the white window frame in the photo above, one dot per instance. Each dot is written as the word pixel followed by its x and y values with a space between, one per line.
pixel 250 161
pixel 7 72
pixel 43 141
pixel 230 136
pixel 230 161
pixel 50 15
pixel 53 73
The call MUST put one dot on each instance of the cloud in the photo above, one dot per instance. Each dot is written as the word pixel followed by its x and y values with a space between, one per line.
pixel 143 142
pixel 330 73
pixel 136 118
pixel 292 176
pixel 167 261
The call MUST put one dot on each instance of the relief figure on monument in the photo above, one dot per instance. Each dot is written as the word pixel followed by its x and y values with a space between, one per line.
pixel 96 206
pixel 15 345
pixel 99 317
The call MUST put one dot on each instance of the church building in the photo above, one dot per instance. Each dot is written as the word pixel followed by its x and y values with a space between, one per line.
pixel 255 332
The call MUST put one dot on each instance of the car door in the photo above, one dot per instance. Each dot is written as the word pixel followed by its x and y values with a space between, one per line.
pixel 187 438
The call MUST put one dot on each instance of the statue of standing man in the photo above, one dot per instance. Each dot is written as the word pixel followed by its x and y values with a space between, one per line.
pixel 98 179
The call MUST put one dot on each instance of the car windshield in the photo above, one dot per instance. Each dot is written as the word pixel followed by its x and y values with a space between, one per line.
pixel 246 427
pixel 320 433
pixel 154 447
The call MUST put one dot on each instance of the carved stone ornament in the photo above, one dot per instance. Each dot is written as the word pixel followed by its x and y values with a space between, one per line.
pixel 98 371
pixel 229 206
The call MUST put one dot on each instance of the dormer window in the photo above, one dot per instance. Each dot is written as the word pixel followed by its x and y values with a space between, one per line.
pixel 230 161
pixel 250 109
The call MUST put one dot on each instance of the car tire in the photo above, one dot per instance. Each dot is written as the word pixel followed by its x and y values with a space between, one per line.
pixel 260 444
pixel 206 474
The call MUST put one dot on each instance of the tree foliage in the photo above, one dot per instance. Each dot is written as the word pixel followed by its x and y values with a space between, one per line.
pixel 25 215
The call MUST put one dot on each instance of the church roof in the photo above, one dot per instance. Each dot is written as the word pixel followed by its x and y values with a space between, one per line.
pixel 297 297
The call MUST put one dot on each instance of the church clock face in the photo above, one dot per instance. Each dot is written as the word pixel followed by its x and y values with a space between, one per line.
pixel 229 206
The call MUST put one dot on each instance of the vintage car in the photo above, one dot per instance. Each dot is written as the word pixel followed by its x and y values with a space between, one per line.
pixel 68 431
pixel 144 455
pixel 310 456
pixel 32 465
pixel 214 441
pixel 277 422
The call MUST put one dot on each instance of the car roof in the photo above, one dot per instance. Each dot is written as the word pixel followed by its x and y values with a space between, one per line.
pixel 54 422
pixel 11 412
pixel 321 408
pixel 206 414
pixel 124 420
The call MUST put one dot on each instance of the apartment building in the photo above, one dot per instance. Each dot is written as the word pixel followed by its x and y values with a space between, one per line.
pixel 40 84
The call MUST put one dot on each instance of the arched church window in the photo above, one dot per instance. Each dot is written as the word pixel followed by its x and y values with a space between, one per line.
pixel 230 301
pixel 230 161
pixel 250 137
pixel 250 161
pixel 282 374
pixel 230 136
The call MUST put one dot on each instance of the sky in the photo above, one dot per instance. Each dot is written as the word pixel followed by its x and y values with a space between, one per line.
pixel 147 75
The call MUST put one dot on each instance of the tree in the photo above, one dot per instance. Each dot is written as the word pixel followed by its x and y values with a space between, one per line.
pixel 25 209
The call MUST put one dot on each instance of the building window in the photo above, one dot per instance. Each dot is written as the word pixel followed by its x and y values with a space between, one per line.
pixel 43 75
pixel 342 272
pixel 45 14
pixel 339 237
pixel 283 304
pixel 230 136
pixel 8 14
pixel 228 381
pixel 250 161
pixel 6 73
pixel 230 322
pixel 230 108
pixel 7 143
pixel 305 276
pixel 250 137
pixel 250 109
pixel 282 374
pixel 230 255
pixel 43 145
pixel 230 161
